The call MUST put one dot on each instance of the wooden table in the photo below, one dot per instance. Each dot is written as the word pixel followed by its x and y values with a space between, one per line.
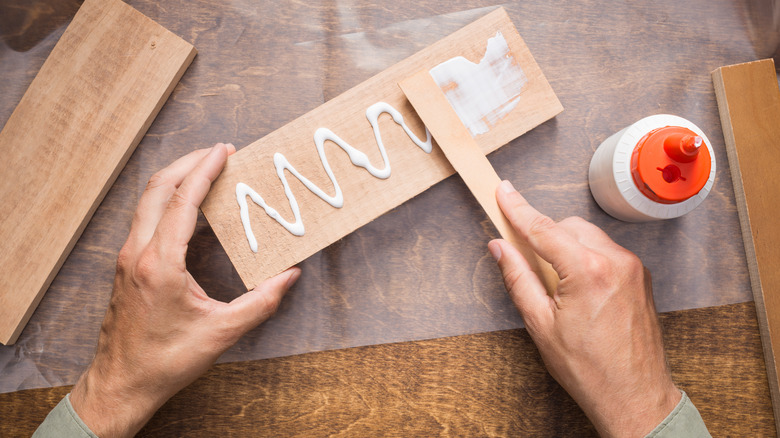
pixel 421 339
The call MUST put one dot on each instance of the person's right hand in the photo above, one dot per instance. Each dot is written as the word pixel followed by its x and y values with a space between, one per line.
pixel 599 334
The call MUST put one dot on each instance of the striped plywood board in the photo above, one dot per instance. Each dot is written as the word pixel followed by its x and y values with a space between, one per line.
pixel 67 140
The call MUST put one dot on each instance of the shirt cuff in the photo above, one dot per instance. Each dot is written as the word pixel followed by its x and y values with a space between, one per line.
pixel 684 420
pixel 63 422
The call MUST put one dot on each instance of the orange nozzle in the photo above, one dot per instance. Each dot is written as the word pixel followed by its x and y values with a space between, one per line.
pixel 669 164
pixel 681 147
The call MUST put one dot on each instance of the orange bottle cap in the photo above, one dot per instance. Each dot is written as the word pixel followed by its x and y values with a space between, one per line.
pixel 670 164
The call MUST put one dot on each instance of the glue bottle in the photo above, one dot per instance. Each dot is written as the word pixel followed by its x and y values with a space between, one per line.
pixel 661 167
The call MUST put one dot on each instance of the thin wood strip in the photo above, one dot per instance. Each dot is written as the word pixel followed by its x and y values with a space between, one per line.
pixel 365 197
pixel 67 140
pixel 474 385
pixel 470 162
pixel 749 103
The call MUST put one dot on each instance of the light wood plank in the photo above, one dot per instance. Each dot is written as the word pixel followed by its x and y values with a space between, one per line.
pixel 749 104
pixel 366 197
pixel 67 140
pixel 469 161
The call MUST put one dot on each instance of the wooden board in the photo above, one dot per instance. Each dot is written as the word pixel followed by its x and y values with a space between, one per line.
pixel 488 384
pixel 365 197
pixel 749 104
pixel 71 134
pixel 463 153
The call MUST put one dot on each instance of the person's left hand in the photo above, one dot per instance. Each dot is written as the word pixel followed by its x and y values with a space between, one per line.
pixel 161 331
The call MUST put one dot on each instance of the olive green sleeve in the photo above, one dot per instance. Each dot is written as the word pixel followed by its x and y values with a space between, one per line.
pixel 63 422
pixel 683 421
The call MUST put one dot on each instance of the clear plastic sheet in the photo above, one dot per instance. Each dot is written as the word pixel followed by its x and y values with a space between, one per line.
pixel 422 270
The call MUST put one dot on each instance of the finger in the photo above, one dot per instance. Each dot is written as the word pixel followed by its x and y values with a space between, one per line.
pixel 177 224
pixel 524 287
pixel 257 305
pixel 158 190
pixel 543 235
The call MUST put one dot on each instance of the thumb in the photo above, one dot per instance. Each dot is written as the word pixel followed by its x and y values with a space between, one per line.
pixel 524 287
pixel 257 305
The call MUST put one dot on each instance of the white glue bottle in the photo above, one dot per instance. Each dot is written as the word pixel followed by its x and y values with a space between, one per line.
pixel 661 167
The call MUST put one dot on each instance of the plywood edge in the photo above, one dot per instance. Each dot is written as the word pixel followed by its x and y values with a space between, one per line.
pixel 767 341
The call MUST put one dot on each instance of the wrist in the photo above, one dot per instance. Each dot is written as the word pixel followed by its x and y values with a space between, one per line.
pixel 639 416
pixel 110 408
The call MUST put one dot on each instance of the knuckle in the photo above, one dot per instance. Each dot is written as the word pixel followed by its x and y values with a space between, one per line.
pixel 227 334
pixel 124 260
pixel 514 278
pixel 633 262
pixel 177 200
pixel 146 268
pixel 159 179
pixel 597 265
pixel 533 322
pixel 540 225
pixel 598 268
pixel 268 306
pixel 615 272
pixel 631 265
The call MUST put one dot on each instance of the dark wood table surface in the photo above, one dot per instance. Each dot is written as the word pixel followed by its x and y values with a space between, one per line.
pixel 403 328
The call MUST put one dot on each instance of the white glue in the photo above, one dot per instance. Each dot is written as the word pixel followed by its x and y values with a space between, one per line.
pixel 660 167
pixel 357 158
pixel 481 94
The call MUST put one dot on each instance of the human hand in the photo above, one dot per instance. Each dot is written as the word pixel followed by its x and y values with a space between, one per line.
pixel 161 331
pixel 599 335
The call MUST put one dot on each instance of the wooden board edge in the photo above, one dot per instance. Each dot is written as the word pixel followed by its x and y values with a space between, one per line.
pixel 19 325
pixel 732 153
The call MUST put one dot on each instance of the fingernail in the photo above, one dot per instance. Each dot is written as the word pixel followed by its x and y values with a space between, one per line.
pixel 231 148
pixel 507 186
pixel 495 250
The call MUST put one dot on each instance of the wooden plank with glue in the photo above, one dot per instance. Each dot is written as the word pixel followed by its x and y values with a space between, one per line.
pixel 262 241
pixel 469 161
pixel 65 143
pixel 749 103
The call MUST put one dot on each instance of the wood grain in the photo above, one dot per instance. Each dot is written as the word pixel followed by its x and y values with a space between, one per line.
pixel 490 384
pixel 465 156
pixel 366 197
pixel 422 270
pixel 749 103
pixel 69 137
